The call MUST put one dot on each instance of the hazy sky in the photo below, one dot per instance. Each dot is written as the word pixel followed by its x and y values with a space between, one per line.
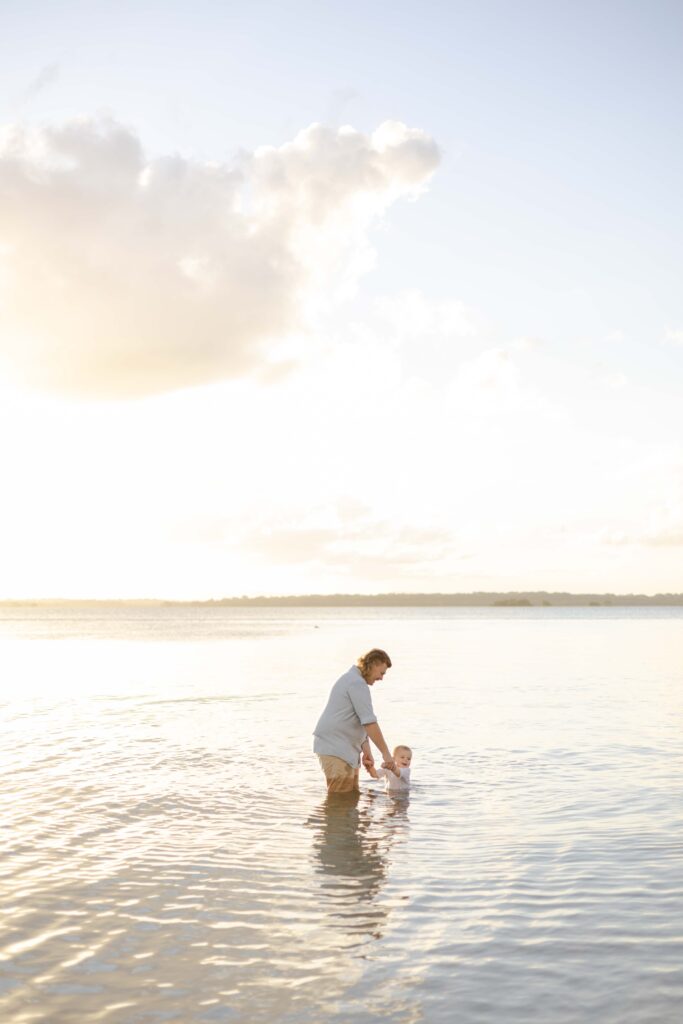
pixel 316 297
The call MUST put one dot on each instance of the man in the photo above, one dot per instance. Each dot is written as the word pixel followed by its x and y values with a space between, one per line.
pixel 348 723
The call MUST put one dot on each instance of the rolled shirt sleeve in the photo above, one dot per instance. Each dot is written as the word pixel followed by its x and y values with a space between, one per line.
pixel 359 695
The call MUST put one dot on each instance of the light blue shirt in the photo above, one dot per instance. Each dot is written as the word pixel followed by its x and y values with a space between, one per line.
pixel 340 730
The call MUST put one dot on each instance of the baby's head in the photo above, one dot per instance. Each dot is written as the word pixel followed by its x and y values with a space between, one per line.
pixel 403 756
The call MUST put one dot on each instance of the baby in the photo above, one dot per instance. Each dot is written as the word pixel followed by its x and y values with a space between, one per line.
pixel 398 781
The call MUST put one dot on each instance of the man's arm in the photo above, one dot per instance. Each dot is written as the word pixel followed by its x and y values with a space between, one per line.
pixel 375 733
pixel 366 754
pixel 367 758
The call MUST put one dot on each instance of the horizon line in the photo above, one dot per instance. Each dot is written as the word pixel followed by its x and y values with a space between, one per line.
pixel 392 597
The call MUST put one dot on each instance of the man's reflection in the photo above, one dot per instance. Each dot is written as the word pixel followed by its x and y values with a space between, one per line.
pixel 353 838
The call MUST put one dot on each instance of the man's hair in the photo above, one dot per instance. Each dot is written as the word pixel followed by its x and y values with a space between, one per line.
pixel 366 661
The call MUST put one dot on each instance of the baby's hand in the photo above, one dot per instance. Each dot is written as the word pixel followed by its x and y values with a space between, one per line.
pixel 391 765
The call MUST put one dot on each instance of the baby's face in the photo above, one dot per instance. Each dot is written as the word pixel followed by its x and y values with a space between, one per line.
pixel 403 758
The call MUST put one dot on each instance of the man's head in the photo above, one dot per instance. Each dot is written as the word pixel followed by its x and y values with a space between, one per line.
pixel 373 665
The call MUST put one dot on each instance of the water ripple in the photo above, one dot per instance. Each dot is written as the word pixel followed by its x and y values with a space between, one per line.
pixel 168 853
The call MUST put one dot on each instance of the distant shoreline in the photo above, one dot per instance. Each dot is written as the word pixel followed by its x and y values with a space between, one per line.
pixel 478 599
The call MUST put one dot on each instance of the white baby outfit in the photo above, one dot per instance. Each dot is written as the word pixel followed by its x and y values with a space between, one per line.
pixel 395 783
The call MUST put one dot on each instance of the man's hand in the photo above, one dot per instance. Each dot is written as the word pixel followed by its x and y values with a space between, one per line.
pixel 368 761
pixel 391 765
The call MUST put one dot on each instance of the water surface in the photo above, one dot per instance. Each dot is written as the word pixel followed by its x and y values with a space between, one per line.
pixel 169 853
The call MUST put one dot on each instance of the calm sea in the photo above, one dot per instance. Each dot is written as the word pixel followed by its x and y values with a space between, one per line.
pixel 169 854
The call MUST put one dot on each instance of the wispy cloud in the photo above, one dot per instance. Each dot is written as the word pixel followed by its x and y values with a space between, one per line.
pixel 656 537
pixel 672 337
pixel 491 384
pixel 354 541
pixel 661 521
pixel 43 80
pixel 616 381
pixel 128 276
pixel 412 317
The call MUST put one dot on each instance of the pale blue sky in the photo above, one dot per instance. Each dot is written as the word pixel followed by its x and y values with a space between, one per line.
pixel 555 216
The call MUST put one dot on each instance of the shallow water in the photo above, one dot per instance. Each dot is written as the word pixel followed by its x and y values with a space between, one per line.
pixel 169 854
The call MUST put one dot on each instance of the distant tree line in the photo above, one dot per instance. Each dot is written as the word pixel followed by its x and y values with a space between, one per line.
pixel 484 599
pixel 478 599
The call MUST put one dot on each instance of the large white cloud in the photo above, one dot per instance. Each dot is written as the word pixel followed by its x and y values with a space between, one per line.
pixel 120 275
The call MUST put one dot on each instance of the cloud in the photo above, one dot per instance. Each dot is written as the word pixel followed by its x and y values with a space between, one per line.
pixel 43 80
pixel 354 541
pixel 410 315
pixel 658 522
pixel 673 338
pixel 664 531
pixel 666 537
pixel 616 381
pixel 491 384
pixel 121 275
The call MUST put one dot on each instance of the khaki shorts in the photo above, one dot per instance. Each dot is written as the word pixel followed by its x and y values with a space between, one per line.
pixel 341 777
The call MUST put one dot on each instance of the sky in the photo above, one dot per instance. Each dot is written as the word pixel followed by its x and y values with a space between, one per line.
pixel 320 297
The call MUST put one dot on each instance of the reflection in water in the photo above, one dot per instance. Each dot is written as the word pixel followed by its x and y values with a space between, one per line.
pixel 354 835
